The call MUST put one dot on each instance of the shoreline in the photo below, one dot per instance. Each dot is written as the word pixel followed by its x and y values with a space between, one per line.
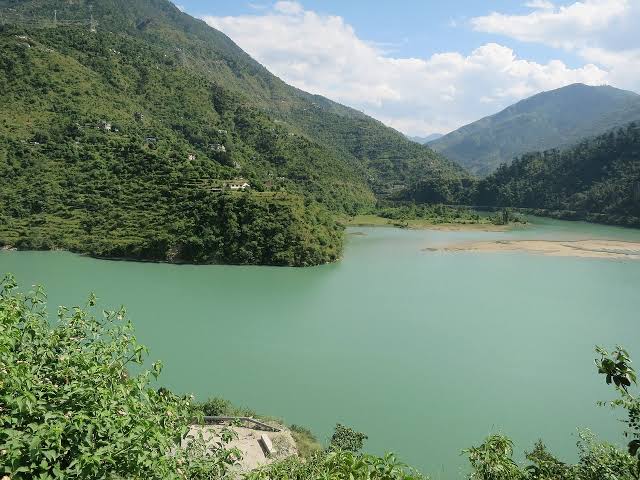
pixel 419 224
pixel 179 263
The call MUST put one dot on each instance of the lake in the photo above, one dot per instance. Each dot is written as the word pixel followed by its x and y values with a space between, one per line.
pixel 426 352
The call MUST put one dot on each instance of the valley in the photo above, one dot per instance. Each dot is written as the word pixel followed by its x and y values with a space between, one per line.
pixel 450 290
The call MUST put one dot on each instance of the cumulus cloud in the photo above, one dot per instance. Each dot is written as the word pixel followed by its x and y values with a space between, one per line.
pixel 323 54
pixel 604 32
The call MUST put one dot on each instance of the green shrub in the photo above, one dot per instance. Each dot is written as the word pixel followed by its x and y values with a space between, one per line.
pixel 347 439
pixel 493 460
pixel 220 407
pixel 337 465
pixel 71 406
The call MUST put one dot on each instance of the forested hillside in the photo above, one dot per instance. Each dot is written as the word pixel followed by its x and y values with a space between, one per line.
pixel 597 180
pixel 555 119
pixel 114 135
pixel 384 156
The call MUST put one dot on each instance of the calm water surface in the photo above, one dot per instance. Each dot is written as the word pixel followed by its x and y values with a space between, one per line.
pixel 426 352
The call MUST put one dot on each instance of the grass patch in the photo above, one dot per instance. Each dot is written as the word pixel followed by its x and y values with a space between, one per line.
pixel 305 440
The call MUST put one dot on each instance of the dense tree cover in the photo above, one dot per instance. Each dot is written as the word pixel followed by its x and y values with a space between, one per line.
pixel 434 190
pixel 597 180
pixel 144 189
pixel 555 119
pixel 258 229
pixel 436 214
pixel 113 142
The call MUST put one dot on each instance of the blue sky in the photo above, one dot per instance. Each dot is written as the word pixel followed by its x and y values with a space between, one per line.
pixel 427 66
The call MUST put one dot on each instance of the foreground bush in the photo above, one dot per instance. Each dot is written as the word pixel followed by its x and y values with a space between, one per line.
pixel 338 465
pixel 71 408
pixel 493 460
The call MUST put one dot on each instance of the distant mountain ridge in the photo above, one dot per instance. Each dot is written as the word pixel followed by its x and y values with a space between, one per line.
pixel 597 179
pixel 555 119
pixel 427 139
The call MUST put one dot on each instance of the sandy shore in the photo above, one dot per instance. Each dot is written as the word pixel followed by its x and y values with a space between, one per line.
pixel 611 249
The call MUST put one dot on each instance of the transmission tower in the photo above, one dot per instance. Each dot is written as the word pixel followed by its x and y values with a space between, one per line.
pixel 92 25
pixel 55 18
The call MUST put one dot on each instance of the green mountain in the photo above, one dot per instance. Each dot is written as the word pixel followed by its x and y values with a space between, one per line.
pixel 597 180
pixel 121 120
pixel 555 119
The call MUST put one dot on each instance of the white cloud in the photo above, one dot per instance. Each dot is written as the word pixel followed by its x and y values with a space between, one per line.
pixel 289 8
pixel 323 54
pixel 540 4
pixel 605 32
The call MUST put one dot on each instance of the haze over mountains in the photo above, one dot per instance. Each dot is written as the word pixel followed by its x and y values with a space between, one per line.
pixel 555 119
pixel 427 139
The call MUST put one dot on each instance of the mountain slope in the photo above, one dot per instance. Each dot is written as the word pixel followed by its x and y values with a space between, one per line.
pixel 116 142
pixel 145 188
pixel 555 119
pixel 598 180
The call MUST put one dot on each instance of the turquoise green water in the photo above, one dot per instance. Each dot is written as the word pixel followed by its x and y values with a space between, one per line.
pixel 426 352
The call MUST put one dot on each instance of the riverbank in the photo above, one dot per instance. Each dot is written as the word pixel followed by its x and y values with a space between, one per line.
pixel 424 224
pixel 607 249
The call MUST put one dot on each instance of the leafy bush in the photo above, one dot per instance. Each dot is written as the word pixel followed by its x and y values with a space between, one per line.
pixel 220 407
pixel 347 439
pixel 337 465
pixel 618 372
pixel 493 460
pixel 71 406
pixel 544 466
